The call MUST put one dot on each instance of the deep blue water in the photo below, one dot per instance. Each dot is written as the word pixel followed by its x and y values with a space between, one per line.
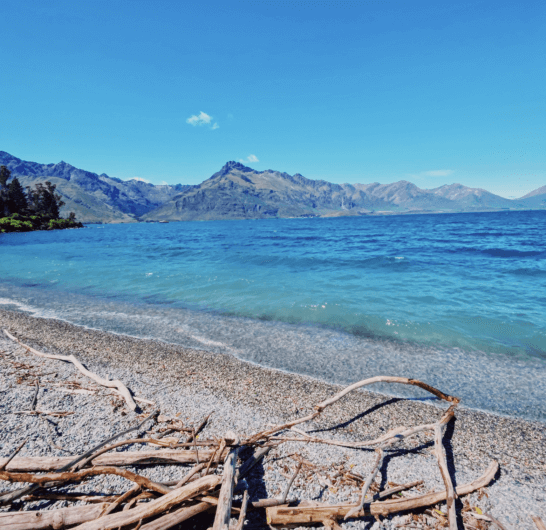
pixel 458 300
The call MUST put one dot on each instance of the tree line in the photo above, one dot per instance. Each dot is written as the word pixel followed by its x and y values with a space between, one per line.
pixel 35 208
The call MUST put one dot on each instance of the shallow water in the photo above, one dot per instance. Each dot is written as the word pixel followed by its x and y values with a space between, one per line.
pixel 458 300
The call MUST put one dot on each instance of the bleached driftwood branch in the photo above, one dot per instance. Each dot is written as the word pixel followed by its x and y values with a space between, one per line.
pixel 121 388
pixel 52 463
pixel 284 515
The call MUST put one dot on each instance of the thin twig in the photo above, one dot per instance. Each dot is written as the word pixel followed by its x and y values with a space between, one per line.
pixel 120 499
pixel 193 472
pixel 12 456
pixel 242 514
pixel 495 521
pixel 290 482
pixel 210 462
pixel 195 447
pixel 35 398
pixel 200 427
pixel 368 483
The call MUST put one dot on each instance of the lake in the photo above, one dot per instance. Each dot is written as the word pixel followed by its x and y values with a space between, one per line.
pixel 456 300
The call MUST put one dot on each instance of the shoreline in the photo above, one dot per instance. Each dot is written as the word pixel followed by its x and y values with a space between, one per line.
pixel 245 395
pixel 167 343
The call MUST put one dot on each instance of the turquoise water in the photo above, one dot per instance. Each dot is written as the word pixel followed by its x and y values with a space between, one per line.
pixel 458 300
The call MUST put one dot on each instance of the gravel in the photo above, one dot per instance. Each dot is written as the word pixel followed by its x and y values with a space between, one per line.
pixel 245 398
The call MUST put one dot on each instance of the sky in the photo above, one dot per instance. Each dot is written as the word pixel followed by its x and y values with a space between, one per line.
pixel 434 92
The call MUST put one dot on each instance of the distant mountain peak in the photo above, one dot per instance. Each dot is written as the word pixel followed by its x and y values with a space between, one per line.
pixel 232 165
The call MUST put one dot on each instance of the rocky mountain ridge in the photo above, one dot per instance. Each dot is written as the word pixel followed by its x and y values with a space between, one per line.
pixel 240 192
pixel 93 197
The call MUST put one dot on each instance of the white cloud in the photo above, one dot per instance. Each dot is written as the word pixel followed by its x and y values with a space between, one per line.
pixel 437 173
pixel 163 183
pixel 201 119
pixel 215 126
pixel 252 158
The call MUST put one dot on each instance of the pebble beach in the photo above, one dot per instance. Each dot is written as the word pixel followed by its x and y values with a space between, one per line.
pixel 246 398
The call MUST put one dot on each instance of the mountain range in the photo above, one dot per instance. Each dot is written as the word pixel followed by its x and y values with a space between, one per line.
pixel 239 192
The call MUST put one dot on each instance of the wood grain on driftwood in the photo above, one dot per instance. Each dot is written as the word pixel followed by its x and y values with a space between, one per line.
pixel 130 458
pixel 159 506
pixel 44 520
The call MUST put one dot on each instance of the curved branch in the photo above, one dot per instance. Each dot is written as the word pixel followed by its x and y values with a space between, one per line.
pixel 121 388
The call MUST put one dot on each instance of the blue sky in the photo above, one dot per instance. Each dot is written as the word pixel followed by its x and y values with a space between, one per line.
pixel 433 92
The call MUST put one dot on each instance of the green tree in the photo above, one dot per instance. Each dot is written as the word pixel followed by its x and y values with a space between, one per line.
pixel 44 201
pixel 17 199
pixel 4 176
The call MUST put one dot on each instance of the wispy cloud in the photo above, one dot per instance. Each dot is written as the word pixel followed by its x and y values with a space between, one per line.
pixel 215 126
pixel 199 119
pixel 140 179
pixel 437 173
pixel 252 158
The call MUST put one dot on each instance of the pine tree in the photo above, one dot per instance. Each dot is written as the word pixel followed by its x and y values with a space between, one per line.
pixel 4 176
pixel 17 199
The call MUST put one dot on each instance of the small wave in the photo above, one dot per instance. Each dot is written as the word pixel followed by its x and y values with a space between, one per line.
pixel 505 253
pixel 498 252
pixel 529 272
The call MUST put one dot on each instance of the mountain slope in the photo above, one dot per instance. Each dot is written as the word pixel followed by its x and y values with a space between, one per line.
pixel 534 199
pixel 94 198
pixel 239 192
pixel 534 193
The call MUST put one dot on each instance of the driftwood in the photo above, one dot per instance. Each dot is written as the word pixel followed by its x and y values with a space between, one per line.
pixel 200 427
pixel 164 503
pixel 81 496
pixel 442 463
pixel 223 512
pixel 242 513
pixel 321 406
pixel 52 463
pixel 121 388
pixel 122 498
pixel 5 461
pixel 284 515
pixel 17 494
pixel 201 488
pixel 538 522
pixel 78 476
pixel 176 517
pixel 47 519
pixel 367 484
pixel 396 489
